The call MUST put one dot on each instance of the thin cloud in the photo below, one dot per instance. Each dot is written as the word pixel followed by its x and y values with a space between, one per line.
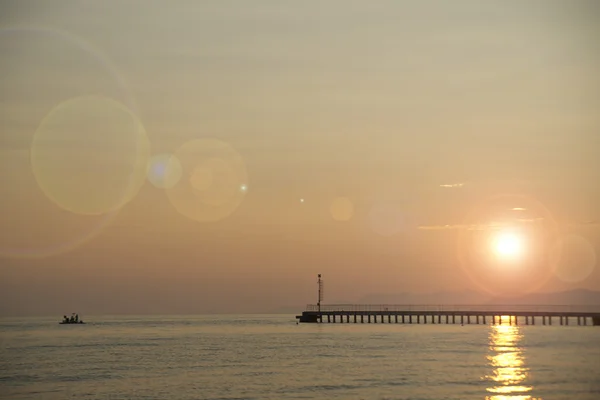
pixel 438 227
pixel 500 225
pixel 473 227
pixel 452 185
pixel 480 227
pixel 585 223
pixel 530 220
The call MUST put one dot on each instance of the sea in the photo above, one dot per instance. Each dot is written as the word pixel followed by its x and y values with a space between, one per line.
pixel 273 357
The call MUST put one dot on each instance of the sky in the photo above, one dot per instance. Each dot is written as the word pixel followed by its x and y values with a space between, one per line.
pixel 215 156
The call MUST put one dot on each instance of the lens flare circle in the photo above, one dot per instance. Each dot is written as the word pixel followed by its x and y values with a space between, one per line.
pixel 341 209
pixel 90 155
pixel 212 174
pixel 164 171
pixel 493 237
pixel 575 258
pixel 34 46
pixel 388 219
pixel 63 242
pixel 45 32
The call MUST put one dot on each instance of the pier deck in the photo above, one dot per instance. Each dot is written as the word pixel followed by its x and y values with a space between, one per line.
pixel 458 314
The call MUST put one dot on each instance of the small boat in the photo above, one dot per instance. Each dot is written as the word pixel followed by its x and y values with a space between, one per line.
pixel 73 320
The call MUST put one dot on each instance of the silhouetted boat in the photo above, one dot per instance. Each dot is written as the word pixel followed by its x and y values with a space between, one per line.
pixel 73 320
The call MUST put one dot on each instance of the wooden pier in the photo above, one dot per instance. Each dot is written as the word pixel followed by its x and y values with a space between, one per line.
pixel 458 314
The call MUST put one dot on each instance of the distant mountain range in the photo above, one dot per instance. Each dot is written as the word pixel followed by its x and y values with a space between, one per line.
pixel 569 297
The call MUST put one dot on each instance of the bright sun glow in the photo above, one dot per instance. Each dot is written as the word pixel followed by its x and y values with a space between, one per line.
pixel 508 245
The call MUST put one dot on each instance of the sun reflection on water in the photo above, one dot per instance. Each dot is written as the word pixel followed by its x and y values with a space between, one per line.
pixel 509 372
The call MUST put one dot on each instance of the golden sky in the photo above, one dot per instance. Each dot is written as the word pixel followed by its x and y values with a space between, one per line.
pixel 215 156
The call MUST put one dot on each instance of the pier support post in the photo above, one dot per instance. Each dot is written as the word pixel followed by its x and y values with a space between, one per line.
pixel 484 322
pixel 462 319
pixel 396 318
pixel 402 318
pixel 410 319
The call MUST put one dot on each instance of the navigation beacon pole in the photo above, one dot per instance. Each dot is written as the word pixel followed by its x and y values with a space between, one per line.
pixel 320 283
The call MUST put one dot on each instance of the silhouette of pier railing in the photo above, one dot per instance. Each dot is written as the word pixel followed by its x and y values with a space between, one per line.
pixel 452 314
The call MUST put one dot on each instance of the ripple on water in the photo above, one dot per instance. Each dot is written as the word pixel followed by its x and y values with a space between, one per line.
pixel 199 359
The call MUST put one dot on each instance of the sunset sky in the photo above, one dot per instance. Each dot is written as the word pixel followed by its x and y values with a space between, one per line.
pixel 393 146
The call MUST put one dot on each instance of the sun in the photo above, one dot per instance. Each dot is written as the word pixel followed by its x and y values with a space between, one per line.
pixel 508 245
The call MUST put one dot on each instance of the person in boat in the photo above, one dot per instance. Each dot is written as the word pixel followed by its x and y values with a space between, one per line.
pixel 76 318
pixel 65 319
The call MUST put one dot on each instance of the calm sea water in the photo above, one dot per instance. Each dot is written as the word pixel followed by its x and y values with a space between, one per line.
pixel 270 357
